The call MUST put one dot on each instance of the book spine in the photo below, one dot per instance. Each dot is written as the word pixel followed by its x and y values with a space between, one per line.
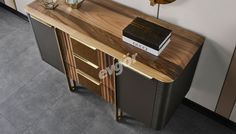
pixel 132 37
pixel 164 42
pixel 140 46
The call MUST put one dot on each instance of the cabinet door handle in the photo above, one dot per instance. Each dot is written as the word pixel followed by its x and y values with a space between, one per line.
pixel 135 70
pixel 86 61
pixel 39 20
pixel 88 77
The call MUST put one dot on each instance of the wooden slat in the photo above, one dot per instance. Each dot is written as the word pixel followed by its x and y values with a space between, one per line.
pixel 67 54
pixel 108 83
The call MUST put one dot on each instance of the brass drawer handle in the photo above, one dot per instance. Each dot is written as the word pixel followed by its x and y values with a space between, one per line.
pixel 86 61
pixel 135 70
pixel 84 43
pixel 39 20
pixel 88 77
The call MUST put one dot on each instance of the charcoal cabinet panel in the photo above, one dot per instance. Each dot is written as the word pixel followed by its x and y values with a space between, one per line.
pixel 47 43
pixel 136 95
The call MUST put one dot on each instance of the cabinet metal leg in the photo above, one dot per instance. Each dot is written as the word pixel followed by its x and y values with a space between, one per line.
pixel 72 85
pixel 118 114
pixel 118 111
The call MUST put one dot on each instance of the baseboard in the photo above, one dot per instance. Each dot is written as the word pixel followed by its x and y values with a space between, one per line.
pixel 14 11
pixel 210 114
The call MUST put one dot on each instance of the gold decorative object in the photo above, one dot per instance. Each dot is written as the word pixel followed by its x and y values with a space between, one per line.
pixel 154 2
pixel 49 4
pixel 75 3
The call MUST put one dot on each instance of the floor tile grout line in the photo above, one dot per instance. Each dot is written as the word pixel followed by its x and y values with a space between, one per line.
pixel 9 122
pixel 21 54
pixel 14 93
pixel 12 62
pixel 46 110
pixel 15 30
pixel 24 84
pixel 15 58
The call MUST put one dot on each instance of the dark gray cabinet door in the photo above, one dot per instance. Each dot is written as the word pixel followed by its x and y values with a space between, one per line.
pixel 136 95
pixel 48 44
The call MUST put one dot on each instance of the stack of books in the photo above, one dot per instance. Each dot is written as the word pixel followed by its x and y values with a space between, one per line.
pixel 147 36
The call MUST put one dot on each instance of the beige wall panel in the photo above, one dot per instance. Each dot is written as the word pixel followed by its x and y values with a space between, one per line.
pixel 228 93
pixel 233 114
pixel 10 3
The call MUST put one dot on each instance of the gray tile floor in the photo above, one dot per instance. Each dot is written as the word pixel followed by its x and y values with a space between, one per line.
pixel 34 98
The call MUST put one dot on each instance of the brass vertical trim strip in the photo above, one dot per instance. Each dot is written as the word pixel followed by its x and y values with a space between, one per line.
pixel 105 65
pixel 99 64
pixel 114 84
pixel 103 80
pixel 109 79
pixel 70 55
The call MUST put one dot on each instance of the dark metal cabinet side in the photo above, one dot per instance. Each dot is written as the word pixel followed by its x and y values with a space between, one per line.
pixel 151 101
pixel 170 95
pixel 48 44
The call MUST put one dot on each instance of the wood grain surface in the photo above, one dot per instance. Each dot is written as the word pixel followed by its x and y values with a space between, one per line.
pixel 99 23
pixel 108 83
pixel 67 54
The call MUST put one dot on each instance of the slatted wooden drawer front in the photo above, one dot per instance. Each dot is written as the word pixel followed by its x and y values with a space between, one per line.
pixel 89 82
pixel 87 67
pixel 84 51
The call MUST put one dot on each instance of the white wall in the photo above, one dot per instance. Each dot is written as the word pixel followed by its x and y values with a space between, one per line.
pixel 214 19
pixel 20 5
pixel 141 5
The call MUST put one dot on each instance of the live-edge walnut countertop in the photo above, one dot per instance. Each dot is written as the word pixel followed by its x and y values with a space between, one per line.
pixel 99 23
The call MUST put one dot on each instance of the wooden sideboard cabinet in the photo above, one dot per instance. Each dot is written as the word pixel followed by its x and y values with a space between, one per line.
pixel 82 42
